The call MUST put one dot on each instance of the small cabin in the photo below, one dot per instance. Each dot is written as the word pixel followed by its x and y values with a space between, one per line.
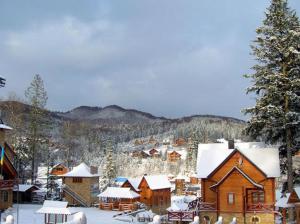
pixel 55 212
pixel 180 142
pixel 8 177
pixel 155 192
pixel 24 193
pixel 238 181
pixel 81 185
pixel 116 198
pixel 59 169
pixel 294 199
pixel 174 156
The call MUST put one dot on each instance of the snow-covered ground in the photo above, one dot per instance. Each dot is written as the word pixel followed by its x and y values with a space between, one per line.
pixel 28 215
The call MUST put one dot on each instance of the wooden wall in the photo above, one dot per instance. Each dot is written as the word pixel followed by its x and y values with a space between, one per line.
pixel 236 183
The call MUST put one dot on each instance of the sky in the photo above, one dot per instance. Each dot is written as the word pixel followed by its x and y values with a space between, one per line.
pixel 170 58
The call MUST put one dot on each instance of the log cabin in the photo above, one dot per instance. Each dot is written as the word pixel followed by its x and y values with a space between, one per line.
pixel 173 156
pixel 238 182
pixel 155 192
pixel 59 169
pixel 8 175
pixel 81 185
pixel 294 199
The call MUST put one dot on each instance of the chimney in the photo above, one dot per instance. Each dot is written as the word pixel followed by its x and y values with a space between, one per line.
pixel 231 144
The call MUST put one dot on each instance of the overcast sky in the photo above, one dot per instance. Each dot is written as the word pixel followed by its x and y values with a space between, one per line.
pixel 170 58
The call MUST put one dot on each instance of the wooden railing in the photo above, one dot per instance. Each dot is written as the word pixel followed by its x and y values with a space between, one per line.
pixel 187 216
pixel 259 207
pixel 7 184
pixel 120 207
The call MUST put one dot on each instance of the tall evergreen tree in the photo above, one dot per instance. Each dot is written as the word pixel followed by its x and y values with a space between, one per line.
pixel 110 166
pixel 276 81
pixel 37 98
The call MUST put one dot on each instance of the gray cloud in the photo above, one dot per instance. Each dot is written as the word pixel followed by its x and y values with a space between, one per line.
pixel 170 58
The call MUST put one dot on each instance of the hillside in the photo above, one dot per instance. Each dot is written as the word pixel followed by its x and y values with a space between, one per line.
pixel 89 127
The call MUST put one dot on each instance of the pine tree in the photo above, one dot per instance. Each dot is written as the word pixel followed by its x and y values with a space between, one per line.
pixel 110 166
pixel 37 98
pixel 276 81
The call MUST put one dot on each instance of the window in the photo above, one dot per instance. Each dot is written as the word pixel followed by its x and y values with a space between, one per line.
pixel 4 196
pixel 230 198
pixel 77 179
pixel 258 197
pixel 59 169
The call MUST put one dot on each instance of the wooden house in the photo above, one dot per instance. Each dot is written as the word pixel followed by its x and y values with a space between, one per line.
pixel 81 185
pixel 24 193
pixel 294 199
pixel 116 198
pixel 173 156
pixel 154 153
pixel 180 142
pixel 238 182
pixel 59 169
pixel 55 212
pixel 8 175
pixel 155 192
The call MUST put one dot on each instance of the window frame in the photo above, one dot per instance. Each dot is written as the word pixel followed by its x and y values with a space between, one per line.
pixel 233 198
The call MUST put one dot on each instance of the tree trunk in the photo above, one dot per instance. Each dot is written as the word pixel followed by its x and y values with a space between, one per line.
pixel 288 135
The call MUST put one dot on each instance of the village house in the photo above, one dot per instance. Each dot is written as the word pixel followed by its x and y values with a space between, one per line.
pixel 59 169
pixel 154 153
pixel 154 191
pixel 8 175
pixel 173 156
pixel 24 193
pixel 179 142
pixel 116 198
pixel 294 199
pixel 81 185
pixel 238 181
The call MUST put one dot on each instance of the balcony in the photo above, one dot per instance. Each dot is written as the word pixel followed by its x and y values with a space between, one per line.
pixel 259 207
pixel 7 184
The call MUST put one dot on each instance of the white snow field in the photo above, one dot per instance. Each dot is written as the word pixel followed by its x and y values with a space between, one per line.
pixel 28 215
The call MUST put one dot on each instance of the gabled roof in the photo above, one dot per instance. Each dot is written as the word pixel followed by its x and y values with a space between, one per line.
pixel 26 187
pixel 82 170
pixel 211 156
pixel 135 182
pixel 241 172
pixel 54 207
pixel 119 192
pixel 157 182
pixel 283 202
pixel 297 191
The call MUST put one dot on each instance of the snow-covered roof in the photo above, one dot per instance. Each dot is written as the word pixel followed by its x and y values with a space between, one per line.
pixel 3 126
pixel 297 190
pixel 156 182
pixel 135 182
pixel 25 187
pixel 82 170
pixel 118 192
pixel 54 207
pixel 282 202
pixel 210 156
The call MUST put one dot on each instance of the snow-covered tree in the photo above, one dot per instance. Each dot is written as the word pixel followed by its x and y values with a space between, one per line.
pixel 276 81
pixel 110 167
pixel 36 96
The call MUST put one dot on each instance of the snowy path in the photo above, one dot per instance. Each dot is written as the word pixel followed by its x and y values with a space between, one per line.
pixel 27 215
